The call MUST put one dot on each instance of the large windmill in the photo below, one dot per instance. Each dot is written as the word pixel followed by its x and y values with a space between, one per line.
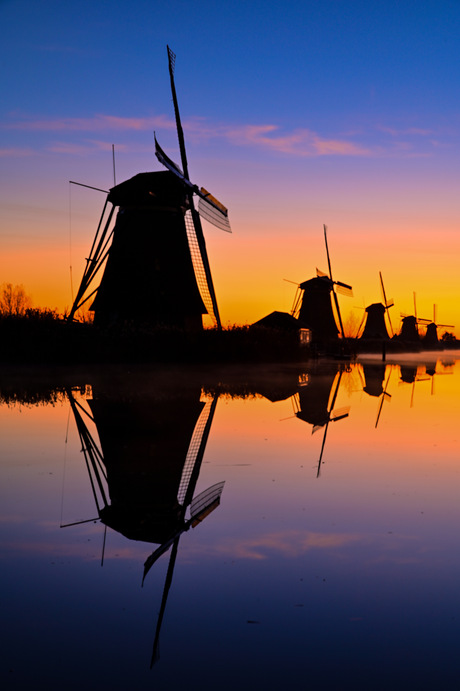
pixel 156 267
pixel 144 468
pixel 314 300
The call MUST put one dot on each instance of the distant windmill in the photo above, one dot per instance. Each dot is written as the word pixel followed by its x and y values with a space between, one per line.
pixel 431 339
pixel 410 323
pixel 385 397
pixel 314 403
pixel 313 304
pixel 374 317
pixel 156 265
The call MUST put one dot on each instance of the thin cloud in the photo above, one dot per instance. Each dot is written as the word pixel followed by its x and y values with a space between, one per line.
pixel 270 137
pixel 302 142
pixel 289 543
pixel 95 124
pixel 82 149
pixel 15 152
pixel 408 131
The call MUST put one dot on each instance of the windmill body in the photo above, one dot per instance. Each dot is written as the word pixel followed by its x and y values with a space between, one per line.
pixel 409 330
pixel 149 276
pixel 316 309
pixel 375 327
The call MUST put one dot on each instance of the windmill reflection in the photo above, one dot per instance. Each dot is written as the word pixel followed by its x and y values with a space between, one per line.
pixel 143 474
pixel 315 400
pixel 375 383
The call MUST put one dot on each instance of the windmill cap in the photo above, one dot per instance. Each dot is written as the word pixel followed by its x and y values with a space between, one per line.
pixel 157 189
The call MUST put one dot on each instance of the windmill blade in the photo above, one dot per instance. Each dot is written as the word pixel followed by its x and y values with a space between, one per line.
pixel 169 163
pixel 327 251
pixel 205 503
pixel 200 261
pixel 384 396
pixel 208 206
pixel 340 413
pixel 343 289
pixel 336 300
pixel 387 303
pixel 195 453
pixel 180 132
pixel 169 576
pixel 213 211
pixel 322 450
pixel 297 301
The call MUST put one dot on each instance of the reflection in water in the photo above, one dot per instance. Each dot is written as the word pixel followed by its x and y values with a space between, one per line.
pixel 314 403
pixel 359 568
pixel 143 474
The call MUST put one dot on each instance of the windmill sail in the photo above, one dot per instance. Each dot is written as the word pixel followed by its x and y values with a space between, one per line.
pixel 207 286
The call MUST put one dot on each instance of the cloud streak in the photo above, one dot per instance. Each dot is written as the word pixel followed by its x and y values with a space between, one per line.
pixel 301 142
pixel 97 123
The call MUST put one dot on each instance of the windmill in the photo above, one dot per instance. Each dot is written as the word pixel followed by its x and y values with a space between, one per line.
pixel 431 339
pixel 313 304
pixel 375 326
pixel 410 323
pixel 314 403
pixel 144 469
pixel 156 267
pixel 385 396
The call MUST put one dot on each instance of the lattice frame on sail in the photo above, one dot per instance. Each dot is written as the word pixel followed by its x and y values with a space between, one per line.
pixel 192 452
pixel 198 266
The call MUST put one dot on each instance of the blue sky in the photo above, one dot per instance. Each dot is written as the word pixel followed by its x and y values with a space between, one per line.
pixel 346 113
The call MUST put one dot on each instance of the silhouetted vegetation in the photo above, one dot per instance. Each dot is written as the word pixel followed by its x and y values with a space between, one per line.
pixel 40 335
pixel 14 301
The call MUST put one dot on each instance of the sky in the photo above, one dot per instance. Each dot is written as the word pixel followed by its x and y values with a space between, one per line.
pixel 297 115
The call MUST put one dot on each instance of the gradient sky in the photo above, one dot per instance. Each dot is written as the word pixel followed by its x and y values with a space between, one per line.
pixel 318 111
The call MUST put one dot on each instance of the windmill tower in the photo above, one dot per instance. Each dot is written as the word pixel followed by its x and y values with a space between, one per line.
pixel 431 339
pixel 375 326
pixel 409 327
pixel 314 300
pixel 156 267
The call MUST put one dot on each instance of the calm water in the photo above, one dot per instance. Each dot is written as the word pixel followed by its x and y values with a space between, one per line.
pixel 329 559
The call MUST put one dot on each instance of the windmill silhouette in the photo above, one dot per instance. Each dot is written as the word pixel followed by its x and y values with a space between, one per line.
pixel 315 401
pixel 156 266
pixel 314 300
pixel 410 325
pixel 431 339
pixel 374 318
pixel 144 468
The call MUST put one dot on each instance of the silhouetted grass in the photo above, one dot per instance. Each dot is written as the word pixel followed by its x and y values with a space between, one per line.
pixel 41 336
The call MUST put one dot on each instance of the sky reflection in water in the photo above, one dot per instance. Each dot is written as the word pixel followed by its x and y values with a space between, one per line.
pixel 324 569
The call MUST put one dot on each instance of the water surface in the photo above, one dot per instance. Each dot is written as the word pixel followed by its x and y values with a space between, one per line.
pixel 270 528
